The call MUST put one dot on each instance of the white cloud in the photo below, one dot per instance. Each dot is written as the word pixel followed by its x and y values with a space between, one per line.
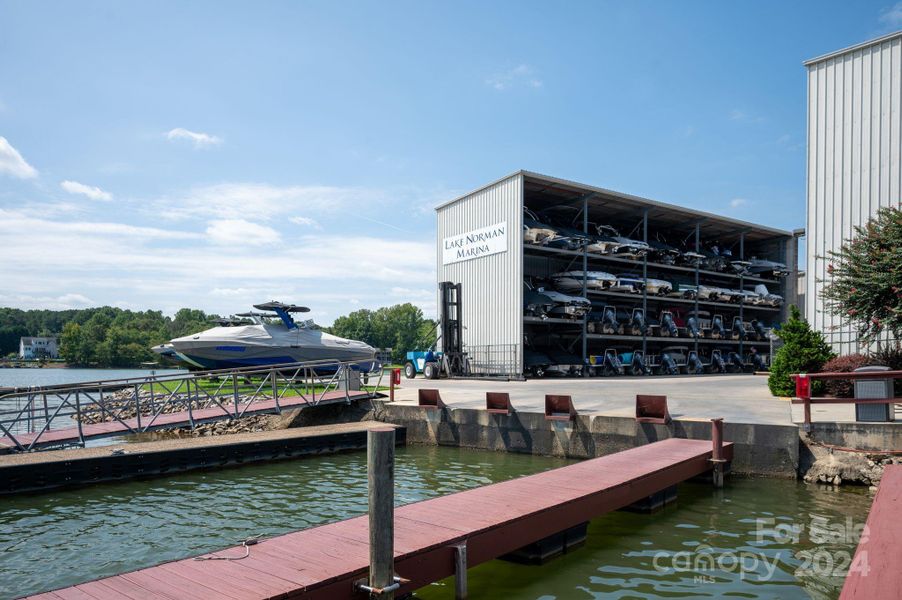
pixel 519 75
pixel 744 116
pixel 232 292
pixel 92 192
pixel 306 222
pixel 199 139
pixel 12 163
pixel 265 201
pixel 892 16
pixel 737 202
pixel 64 302
pixel 224 256
pixel 240 231
pixel 12 221
pixel 787 142
pixel 408 293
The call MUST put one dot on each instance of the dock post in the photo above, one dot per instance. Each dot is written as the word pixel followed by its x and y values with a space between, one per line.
pixel 717 451
pixel 275 391
pixel 380 463
pixel 81 433
pixel 460 571
pixel 138 406
pixel 391 387
pixel 235 393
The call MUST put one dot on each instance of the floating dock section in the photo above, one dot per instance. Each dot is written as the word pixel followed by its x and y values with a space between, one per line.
pixel 875 572
pixel 325 562
pixel 53 469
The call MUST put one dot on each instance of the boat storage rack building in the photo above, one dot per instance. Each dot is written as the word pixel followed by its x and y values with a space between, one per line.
pixel 554 277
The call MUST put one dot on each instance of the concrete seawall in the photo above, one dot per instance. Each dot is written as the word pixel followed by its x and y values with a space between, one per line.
pixel 760 449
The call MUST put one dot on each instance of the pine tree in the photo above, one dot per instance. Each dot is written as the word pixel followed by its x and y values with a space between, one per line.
pixel 864 286
pixel 804 350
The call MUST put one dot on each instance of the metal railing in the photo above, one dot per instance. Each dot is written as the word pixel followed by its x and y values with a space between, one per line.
pixel 493 360
pixel 30 417
pixel 803 389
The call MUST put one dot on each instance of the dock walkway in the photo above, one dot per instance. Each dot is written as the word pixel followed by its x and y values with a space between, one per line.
pixel 324 562
pixel 52 469
pixel 69 435
pixel 874 573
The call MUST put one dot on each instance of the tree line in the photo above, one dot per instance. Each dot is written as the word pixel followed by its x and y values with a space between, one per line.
pixel 115 337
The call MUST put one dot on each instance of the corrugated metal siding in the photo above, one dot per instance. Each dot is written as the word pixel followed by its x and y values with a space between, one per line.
pixel 854 148
pixel 492 286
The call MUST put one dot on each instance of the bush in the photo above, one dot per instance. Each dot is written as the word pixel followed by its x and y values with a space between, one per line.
pixel 804 350
pixel 842 388
pixel 890 356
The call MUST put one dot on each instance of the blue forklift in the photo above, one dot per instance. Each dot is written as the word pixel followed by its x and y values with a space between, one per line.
pixel 425 362
pixel 453 360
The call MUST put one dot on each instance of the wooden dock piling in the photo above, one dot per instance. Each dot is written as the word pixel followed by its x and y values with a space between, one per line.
pixel 717 451
pixel 380 462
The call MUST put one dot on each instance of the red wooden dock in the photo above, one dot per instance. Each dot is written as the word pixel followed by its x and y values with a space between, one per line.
pixel 875 572
pixel 55 437
pixel 324 562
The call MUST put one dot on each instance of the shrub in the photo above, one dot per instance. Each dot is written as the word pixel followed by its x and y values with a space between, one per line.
pixel 842 388
pixel 890 356
pixel 804 350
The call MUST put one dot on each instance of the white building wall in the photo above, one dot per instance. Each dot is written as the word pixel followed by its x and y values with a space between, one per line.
pixel 854 148
pixel 491 286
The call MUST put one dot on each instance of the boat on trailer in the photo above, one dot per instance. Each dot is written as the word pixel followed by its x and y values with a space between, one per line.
pixel 271 337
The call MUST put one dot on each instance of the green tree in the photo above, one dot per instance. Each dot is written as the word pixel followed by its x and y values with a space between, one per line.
pixel 401 327
pixel 804 350
pixel 188 321
pixel 357 325
pixel 864 286
pixel 74 346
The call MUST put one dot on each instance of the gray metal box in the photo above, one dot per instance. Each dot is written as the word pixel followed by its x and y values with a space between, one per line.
pixel 873 388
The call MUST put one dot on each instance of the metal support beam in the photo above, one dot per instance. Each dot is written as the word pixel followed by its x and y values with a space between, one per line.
pixel 585 285
pixel 698 226
pixel 742 298
pixel 460 572
pixel 645 287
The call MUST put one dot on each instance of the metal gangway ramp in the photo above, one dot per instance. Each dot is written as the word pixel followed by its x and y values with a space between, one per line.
pixel 65 415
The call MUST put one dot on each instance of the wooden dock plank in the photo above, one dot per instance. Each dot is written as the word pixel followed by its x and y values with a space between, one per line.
pixel 236 588
pixel 875 572
pixel 323 562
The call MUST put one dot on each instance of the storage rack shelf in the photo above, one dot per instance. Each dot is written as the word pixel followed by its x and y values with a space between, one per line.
pixel 673 341
pixel 666 300
pixel 551 320
pixel 602 258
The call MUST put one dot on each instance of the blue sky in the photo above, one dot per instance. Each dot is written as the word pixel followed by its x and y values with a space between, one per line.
pixel 213 154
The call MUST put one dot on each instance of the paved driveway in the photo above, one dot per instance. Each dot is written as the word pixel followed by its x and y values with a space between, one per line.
pixel 737 398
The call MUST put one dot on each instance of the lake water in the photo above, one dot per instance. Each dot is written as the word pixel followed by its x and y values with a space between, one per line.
pixel 51 376
pixel 57 539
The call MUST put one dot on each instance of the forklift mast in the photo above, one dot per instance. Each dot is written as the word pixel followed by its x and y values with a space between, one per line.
pixel 451 327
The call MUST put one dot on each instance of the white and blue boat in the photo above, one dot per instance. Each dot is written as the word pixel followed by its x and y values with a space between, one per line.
pixel 269 338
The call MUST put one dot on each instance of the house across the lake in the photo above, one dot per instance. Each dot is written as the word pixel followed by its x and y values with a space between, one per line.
pixel 35 348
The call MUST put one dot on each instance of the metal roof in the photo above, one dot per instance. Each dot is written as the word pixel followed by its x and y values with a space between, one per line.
pixel 549 190
pixel 862 45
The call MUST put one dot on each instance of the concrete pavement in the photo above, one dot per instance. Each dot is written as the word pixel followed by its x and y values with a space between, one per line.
pixel 737 398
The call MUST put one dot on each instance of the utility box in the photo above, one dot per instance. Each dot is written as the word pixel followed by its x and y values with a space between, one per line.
pixel 873 388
